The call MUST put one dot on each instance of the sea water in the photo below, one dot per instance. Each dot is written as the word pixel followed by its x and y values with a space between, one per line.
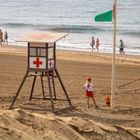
pixel 75 17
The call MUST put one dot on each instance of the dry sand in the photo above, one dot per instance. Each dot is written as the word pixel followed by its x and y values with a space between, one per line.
pixel 74 68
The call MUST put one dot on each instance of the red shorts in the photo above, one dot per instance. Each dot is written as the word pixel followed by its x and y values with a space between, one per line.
pixel 89 94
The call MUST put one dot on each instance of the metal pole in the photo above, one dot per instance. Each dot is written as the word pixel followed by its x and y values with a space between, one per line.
pixel 113 59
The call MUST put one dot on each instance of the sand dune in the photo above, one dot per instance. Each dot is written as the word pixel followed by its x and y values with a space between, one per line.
pixel 20 124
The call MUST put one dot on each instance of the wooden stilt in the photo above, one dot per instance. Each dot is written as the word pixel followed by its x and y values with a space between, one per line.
pixel 42 85
pixel 63 88
pixel 53 85
pixel 50 91
pixel 32 90
pixel 19 89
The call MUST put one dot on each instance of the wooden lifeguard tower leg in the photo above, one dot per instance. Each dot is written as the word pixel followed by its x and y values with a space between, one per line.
pixel 63 88
pixel 42 85
pixel 19 89
pixel 53 85
pixel 50 91
pixel 32 88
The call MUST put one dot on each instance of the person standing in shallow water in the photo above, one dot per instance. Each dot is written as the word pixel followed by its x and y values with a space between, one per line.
pixel 1 36
pixel 5 40
pixel 97 44
pixel 121 47
pixel 92 44
pixel 88 86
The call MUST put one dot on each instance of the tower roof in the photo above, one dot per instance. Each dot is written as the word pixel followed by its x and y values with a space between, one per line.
pixel 44 37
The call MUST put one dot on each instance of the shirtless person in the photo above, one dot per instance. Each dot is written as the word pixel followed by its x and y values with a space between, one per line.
pixel 92 44
pixel 1 36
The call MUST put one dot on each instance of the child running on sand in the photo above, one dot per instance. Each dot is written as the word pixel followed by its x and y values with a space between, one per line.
pixel 89 92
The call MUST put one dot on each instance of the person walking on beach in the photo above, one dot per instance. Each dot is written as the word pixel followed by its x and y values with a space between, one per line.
pixel 121 47
pixel 1 36
pixel 92 44
pixel 88 87
pixel 97 44
pixel 5 40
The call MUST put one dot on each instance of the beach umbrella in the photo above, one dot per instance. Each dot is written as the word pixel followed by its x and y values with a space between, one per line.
pixel 110 16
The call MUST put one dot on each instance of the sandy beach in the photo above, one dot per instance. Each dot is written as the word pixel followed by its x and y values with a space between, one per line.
pixel 74 68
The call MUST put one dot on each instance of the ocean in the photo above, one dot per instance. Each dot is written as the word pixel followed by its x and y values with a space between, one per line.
pixel 75 17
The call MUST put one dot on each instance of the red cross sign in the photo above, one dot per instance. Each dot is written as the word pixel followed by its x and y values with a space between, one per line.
pixel 37 62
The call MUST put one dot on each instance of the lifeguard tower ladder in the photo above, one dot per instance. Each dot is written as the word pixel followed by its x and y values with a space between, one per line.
pixel 42 62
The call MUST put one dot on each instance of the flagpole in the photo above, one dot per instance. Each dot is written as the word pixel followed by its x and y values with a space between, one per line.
pixel 113 59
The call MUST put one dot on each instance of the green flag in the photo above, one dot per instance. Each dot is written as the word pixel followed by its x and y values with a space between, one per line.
pixel 104 17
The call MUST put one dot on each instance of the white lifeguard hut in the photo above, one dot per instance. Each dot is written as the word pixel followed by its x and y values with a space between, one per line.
pixel 42 62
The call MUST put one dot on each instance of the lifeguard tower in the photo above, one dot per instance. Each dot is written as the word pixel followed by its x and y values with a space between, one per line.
pixel 42 63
